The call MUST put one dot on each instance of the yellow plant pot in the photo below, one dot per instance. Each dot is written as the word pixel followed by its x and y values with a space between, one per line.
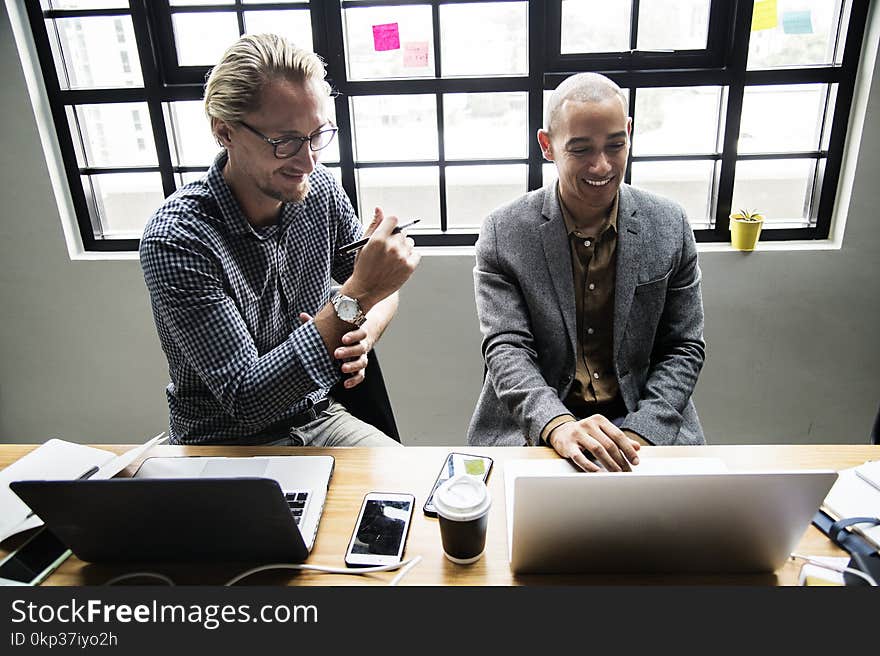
pixel 744 234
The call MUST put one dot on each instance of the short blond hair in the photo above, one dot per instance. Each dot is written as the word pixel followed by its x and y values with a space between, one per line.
pixel 234 85
pixel 583 87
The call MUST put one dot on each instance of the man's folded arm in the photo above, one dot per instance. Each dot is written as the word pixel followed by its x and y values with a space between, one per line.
pixel 187 286
pixel 508 344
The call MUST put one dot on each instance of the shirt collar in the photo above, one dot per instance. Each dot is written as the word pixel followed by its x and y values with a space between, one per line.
pixel 610 221
pixel 233 217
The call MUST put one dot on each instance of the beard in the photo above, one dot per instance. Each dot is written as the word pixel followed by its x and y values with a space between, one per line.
pixel 296 195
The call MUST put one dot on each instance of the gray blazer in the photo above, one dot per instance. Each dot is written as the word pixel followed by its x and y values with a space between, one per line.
pixel 526 306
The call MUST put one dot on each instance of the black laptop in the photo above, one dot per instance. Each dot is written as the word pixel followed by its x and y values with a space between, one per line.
pixel 168 520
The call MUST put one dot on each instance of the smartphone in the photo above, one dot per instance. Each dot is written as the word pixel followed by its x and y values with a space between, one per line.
pixel 34 560
pixel 380 531
pixel 458 463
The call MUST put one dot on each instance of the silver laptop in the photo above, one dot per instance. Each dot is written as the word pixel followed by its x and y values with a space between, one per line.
pixel 303 479
pixel 659 522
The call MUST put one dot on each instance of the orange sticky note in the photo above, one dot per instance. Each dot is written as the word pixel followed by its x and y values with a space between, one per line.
pixel 764 15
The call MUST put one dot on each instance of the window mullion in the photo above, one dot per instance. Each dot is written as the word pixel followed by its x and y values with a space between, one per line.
pixel 738 58
pixel 843 101
pixel 153 90
pixel 537 28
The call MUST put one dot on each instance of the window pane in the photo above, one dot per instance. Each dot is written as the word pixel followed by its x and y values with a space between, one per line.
pixel 777 188
pixel 407 192
pixel 595 26
pixel 781 118
pixel 687 183
pixel 189 134
pixel 84 4
pixel 484 39
pixel 124 201
pixel 474 191
pixel 485 125
pixel 801 33
pixel 415 36
pixel 118 134
pixel 676 121
pixel 201 39
pixel 673 24
pixel 189 176
pixel 95 52
pixel 388 128
pixel 295 25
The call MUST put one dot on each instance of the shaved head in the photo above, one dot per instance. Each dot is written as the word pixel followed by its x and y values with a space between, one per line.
pixel 583 87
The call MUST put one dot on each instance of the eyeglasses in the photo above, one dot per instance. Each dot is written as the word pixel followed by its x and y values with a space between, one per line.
pixel 287 147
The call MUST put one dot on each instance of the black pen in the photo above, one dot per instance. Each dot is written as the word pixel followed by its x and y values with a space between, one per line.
pixel 360 243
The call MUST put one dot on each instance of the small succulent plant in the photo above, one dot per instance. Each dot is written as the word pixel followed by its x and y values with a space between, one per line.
pixel 748 215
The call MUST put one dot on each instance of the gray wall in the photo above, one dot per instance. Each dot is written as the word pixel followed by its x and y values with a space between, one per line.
pixel 793 351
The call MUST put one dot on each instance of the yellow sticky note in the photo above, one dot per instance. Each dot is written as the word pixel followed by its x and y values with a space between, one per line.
pixel 764 16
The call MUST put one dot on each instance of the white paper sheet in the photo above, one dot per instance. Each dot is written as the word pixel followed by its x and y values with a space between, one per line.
pixel 56 460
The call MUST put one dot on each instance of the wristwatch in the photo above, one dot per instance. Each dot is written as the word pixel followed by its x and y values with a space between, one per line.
pixel 348 309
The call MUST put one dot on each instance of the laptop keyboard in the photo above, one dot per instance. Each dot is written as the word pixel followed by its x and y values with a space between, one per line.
pixel 297 501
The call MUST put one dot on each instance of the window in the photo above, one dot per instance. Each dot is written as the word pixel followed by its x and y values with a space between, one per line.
pixel 735 104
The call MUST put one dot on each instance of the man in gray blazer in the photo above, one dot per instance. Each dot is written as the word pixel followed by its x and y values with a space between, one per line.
pixel 588 295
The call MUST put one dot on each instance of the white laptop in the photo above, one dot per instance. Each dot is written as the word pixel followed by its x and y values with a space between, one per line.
pixel 303 479
pixel 698 519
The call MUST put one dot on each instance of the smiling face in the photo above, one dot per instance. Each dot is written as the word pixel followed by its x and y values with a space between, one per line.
pixel 589 144
pixel 286 109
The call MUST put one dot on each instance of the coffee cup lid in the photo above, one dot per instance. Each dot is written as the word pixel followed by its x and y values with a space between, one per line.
pixel 462 498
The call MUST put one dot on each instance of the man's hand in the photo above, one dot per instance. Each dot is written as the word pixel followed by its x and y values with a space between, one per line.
pixel 598 436
pixel 383 265
pixel 353 352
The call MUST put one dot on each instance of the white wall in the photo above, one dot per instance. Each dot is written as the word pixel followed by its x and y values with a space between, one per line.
pixel 793 351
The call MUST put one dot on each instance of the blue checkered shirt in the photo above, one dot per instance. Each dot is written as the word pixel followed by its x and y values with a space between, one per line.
pixel 226 299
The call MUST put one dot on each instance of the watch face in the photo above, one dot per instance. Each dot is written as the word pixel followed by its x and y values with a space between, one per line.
pixel 347 309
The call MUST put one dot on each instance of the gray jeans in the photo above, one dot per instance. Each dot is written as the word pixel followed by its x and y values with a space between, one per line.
pixel 335 427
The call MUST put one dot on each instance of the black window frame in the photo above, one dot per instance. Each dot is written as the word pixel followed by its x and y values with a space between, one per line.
pixel 722 63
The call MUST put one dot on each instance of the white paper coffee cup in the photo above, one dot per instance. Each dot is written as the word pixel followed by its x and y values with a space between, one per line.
pixel 462 505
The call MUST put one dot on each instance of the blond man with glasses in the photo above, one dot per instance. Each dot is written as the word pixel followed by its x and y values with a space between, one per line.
pixel 239 266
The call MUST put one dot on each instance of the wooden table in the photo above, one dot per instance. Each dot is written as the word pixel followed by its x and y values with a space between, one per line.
pixel 413 470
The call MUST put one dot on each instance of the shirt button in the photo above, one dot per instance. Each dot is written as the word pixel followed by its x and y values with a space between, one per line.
pixel 591 286
pixel 590 331
pixel 587 243
pixel 595 374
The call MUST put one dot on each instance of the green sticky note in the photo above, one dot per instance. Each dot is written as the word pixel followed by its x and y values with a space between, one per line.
pixel 474 467
pixel 797 22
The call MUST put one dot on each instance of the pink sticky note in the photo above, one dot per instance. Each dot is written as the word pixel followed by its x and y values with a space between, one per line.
pixel 386 37
pixel 415 54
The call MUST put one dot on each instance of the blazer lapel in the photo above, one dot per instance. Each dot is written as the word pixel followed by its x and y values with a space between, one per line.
pixel 557 254
pixel 627 270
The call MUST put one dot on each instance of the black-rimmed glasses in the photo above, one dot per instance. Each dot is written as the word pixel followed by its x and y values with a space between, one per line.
pixel 286 147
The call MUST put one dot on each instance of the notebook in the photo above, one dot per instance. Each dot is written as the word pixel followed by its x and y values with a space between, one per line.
pixel 221 512
pixel 710 521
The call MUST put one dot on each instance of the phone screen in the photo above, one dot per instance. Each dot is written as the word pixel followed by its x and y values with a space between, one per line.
pixel 33 558
pixel 383 527
pixel 459 463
